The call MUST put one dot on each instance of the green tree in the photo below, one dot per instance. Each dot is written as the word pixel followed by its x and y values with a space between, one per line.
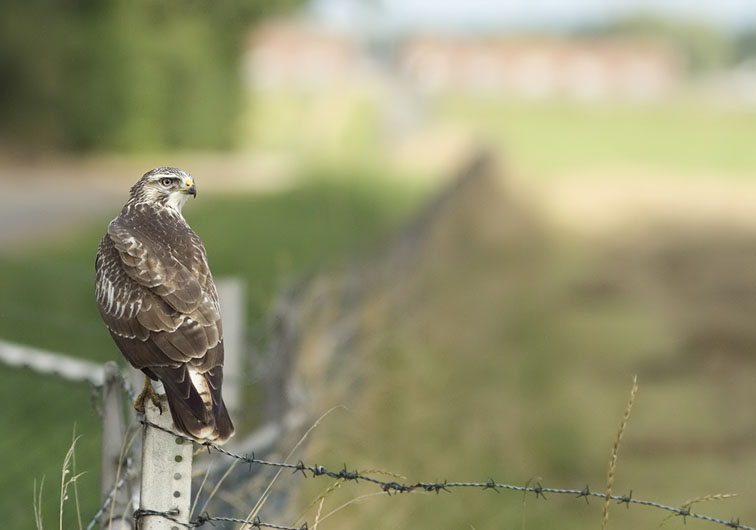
pixel 123 74
pixel 745 45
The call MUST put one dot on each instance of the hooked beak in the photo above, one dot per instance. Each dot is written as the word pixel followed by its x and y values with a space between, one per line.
pixel 189 187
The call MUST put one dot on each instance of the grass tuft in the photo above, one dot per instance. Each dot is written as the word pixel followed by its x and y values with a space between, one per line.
pixel 264 497
pixel 68 478
pixel 615 451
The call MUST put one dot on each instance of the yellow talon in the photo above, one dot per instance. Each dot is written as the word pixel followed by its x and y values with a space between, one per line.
pixel 146 392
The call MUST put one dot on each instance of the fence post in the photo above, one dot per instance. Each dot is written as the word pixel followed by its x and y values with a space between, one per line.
pixel 117 516
pixel 231 297
pixel 166 472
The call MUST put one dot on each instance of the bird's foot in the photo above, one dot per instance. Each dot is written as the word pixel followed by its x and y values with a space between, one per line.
pixel 147 392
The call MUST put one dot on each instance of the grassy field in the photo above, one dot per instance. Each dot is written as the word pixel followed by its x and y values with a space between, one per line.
pixel 506 350
pixel 48 301
pixel 690 137
pixel 537 138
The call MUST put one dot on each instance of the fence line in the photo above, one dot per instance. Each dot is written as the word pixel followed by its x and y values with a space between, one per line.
pixel 74 369
pixel 109 498
pixel 47 362
pixel 205 518
pixel 393 487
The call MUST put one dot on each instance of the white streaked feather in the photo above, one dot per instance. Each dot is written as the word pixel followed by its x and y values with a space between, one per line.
pixel 120 334
pixel 200 384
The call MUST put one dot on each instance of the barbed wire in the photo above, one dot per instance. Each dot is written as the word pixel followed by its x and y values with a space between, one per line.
pixel 207 518
pixel 393 487
pixel 111 495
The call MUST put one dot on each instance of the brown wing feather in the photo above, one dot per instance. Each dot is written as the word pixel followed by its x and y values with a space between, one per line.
pixel 156 294
pixel 179 300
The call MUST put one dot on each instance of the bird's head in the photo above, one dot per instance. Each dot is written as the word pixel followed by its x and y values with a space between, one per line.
pixel 168 186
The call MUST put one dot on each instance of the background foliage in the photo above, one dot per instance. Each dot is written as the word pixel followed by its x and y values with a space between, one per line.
pixel 121 74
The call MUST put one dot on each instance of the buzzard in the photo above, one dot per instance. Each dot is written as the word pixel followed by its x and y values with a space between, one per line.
pixel 157 298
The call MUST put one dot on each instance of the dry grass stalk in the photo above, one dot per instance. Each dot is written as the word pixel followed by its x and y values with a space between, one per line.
pixel 709 497
pixel 125 450
pixel 615 451
pixel 337 484
pixel 75 484
pixel 38 503
pixel 264 497
pixel 201 487
pixel 330 489
pixel 317 515
pixel 704 498
pixel 67 479
pixel 356 500
pixel 217 486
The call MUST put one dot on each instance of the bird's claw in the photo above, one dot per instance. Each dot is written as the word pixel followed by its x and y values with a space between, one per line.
pixel 147 392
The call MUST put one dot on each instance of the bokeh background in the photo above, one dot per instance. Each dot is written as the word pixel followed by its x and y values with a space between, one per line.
pixel 478 220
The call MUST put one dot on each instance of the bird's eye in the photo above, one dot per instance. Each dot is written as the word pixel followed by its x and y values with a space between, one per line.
pixel 166 182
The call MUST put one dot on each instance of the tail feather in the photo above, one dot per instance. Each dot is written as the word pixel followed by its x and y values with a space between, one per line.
pixel 192 415
pixel 224 427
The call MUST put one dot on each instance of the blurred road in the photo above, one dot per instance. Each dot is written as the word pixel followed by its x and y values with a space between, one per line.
pixel 42 206
pixel 43 199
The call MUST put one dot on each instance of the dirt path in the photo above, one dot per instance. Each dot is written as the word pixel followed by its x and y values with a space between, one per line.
pixel 45 197
pixel 611 200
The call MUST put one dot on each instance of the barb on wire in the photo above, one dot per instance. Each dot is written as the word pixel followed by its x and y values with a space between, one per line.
pixel 254 523
pixel 207 518
pixel 391 487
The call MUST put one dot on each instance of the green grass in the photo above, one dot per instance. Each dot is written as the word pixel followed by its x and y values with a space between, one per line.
pixel 539 138
pixel 341 127
pixel 47 300
pixel 39 417
pixel 511 356
pixel 500 375
pixel 548 138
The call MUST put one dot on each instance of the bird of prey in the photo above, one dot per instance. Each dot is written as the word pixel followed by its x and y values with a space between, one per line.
pixel 157 297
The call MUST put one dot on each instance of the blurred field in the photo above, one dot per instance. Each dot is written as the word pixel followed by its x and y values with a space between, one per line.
pixel 476 328
pixel 567 138
pixel 515 359
pixel 499 345
pixel 688 136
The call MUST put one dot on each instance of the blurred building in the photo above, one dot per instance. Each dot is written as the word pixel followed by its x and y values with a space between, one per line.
pixel 289 54
pixel 542 68
pixel 302 56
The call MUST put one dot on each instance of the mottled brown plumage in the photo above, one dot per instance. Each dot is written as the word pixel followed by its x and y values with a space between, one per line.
pixel 156 295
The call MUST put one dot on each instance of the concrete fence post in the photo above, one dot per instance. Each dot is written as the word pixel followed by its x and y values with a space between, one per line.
pixel 166 472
